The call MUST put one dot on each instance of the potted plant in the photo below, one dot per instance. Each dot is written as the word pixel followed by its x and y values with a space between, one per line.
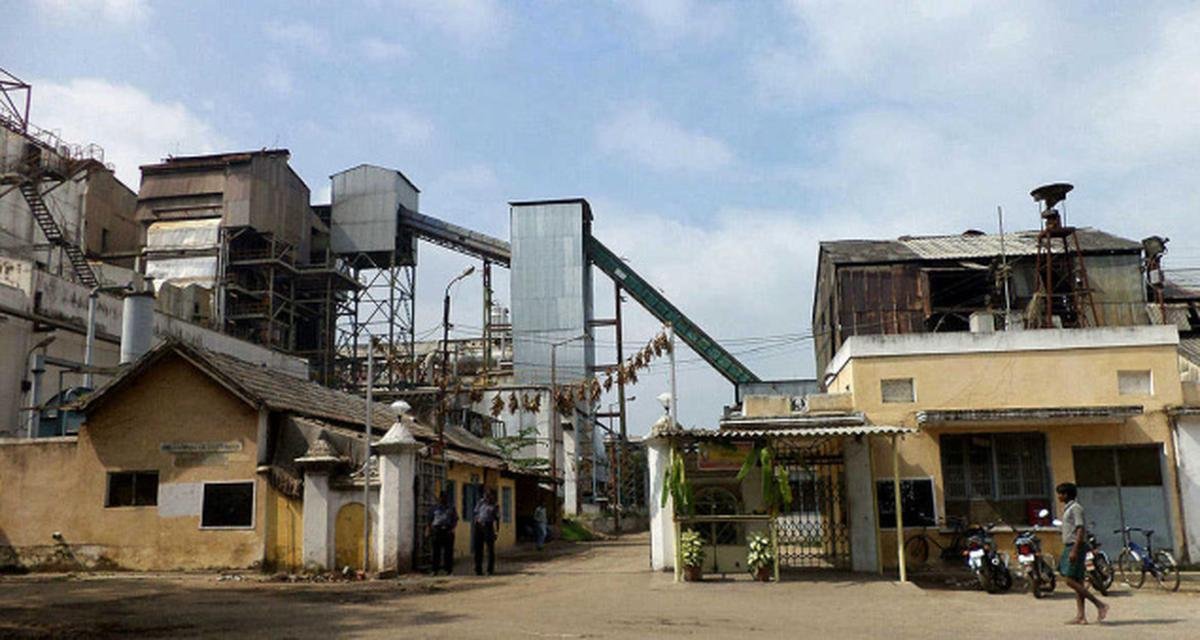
pixel 760 557
pixel 691 554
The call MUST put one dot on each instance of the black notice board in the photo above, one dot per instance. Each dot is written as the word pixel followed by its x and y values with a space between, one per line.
pixel 916 495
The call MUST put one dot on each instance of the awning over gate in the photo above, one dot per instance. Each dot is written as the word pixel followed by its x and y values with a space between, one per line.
pixel 777 432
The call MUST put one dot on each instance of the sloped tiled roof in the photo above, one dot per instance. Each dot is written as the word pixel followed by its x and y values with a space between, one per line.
pixel 264 386
pixel 964 246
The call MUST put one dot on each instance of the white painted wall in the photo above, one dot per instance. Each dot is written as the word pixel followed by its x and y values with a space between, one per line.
pixel 1188 448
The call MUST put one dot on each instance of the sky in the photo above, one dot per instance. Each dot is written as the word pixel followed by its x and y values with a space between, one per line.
pixel 717 142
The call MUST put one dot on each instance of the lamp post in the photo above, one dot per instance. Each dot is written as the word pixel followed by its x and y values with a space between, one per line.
pixel 441 427
pixel 555 419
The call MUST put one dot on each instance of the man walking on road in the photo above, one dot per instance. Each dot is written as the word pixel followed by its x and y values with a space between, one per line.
pixel 442 520
pixel 1074 552
pixel 486 525
pixel 539 521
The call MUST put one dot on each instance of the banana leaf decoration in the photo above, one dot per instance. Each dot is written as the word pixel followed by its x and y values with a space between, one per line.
pixel 676 485
pixel 513 404
pixel 497 406
pixel 776 488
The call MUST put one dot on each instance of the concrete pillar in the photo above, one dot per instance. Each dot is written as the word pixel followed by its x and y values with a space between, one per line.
pixel 662 519
pixel 860 502
pixel 317 547
pixel 570 473
pixel 396 529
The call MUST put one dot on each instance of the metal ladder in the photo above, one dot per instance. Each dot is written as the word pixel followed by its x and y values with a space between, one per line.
pixel 54 235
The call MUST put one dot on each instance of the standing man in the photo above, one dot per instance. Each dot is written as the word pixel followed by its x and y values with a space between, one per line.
pixel 442 521
pixel 541 524
pixel 487 524
pixel 1071 563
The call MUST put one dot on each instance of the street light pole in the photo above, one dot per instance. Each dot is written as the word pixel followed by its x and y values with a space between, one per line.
pixel 556 419
pixel 441 426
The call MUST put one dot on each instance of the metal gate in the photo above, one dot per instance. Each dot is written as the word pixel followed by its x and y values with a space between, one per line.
pixel 814 532
pixel 430 481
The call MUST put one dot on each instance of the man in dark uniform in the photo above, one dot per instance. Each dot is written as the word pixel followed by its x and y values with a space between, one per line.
pixel 442 520
pixel 487 524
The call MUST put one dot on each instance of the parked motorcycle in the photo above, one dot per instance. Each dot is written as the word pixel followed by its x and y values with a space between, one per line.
pixel 986 562
pixel 1100 571
pixel 1038 568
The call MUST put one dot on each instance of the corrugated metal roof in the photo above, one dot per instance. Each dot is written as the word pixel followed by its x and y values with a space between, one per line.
pixel 1189 348
pixel 964 246
pixel 793 433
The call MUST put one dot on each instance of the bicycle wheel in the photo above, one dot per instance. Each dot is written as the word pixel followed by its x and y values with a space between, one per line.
pixel 1167 572
pixel 916 551
pixel 1132 571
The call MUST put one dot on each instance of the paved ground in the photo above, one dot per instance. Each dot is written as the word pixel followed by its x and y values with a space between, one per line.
pixel 578 591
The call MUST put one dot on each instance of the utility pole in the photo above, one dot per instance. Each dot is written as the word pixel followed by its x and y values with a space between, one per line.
pixel 674 396
pixel 367 458
pixel 622 437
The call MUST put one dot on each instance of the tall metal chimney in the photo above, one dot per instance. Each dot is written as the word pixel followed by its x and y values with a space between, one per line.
pixel 137 325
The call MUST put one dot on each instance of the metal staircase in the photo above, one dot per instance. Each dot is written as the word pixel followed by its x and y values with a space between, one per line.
pixel 54 235
pixel 658 306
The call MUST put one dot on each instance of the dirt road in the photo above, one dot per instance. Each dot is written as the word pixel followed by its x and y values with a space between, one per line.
pixel 585 591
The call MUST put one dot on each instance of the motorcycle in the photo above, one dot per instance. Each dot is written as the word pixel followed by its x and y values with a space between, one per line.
pixel 986 562
pixel 1099 570
pixel 1039 572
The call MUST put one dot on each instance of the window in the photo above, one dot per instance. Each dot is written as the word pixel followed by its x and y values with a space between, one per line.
pixel 916 496
pixel 103 240
pixel 227 505
pixel 996 477
pixel 804 491
pixel 506 505
pixel 898 390
pixel 132 489
pixel 1135 383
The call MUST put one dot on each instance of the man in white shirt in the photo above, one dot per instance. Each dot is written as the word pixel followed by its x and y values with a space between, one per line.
pixel 1071 564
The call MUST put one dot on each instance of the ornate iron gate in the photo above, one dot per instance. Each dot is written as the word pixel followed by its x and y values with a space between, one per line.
pixel 815 531
pixel 430 481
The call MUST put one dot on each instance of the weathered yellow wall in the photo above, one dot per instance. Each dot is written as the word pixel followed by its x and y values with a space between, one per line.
pixel 285 531
pixel 1075 378
pixel 61 487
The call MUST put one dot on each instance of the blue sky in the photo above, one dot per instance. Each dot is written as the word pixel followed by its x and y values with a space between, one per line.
pixel 717 141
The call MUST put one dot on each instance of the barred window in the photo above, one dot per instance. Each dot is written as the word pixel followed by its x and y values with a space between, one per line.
pixel 995 476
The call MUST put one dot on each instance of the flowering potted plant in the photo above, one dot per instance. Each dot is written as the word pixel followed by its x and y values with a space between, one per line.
pixel 760 557
pixel 691 554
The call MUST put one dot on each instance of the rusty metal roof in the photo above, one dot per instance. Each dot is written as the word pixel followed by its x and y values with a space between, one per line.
pixel 964 246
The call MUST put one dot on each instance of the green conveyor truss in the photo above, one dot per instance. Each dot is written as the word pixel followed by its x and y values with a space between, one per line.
pixel 658 306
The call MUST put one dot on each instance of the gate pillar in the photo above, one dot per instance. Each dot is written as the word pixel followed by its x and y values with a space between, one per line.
pixel 397 507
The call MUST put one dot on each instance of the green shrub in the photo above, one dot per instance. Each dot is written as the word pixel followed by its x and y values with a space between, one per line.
pixel 573 531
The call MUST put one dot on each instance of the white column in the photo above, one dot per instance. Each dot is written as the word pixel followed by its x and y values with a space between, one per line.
pixel 316 547
pixel 570 471
pixel 860 498
pixel 397 513
pixel 662 519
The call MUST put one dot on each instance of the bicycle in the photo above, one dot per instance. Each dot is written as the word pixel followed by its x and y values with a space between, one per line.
pixel 916 547
pixel 1135 562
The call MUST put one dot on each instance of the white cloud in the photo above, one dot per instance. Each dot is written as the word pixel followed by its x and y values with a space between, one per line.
pixel 298 35
pixel 131 126
pixel 475 24
pixel 123 12
pixel 668 21
pixel 381 50
pixel 401 127
pixel 640 134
